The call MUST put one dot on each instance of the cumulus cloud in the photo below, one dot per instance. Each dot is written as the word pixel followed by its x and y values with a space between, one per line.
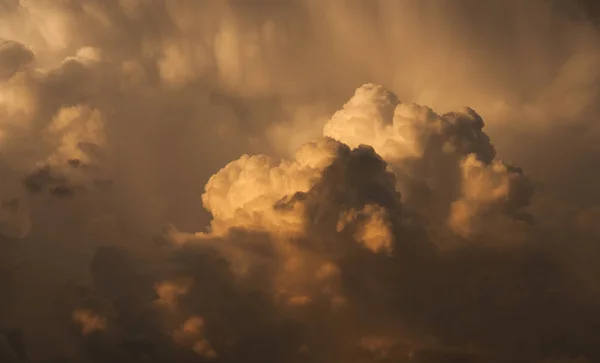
pixel 327 235
pixel 244 192
pixel 447 156
pixel 373 226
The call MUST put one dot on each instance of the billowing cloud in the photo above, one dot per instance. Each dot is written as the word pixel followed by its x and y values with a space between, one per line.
pixel 388 223
pixel 244 192
pixel 447 156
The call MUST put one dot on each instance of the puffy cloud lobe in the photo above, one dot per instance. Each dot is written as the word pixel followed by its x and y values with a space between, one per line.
pixel 399 131
pixel 244 193
pixel 491 189
pixel 373 230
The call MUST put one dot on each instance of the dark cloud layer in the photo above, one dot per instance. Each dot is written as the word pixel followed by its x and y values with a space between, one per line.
pixel 377 229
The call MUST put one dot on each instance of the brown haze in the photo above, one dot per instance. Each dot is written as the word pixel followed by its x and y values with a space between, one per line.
pixel 299 181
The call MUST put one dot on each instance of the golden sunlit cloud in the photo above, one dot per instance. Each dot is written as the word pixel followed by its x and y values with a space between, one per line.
pixel 300 181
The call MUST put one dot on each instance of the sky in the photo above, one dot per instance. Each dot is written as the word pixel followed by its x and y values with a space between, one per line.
pixel 299 181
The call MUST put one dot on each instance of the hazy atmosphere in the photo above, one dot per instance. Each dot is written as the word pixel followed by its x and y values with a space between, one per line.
pixel 281 181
